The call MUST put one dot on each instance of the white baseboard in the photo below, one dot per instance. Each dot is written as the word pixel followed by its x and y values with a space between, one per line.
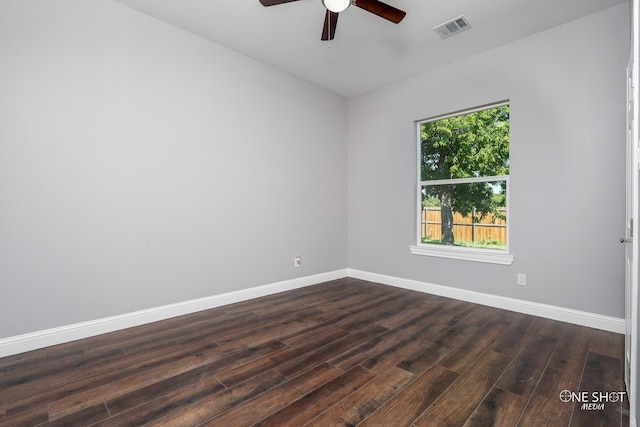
pixel 40 339
pixel 597 321
pixel 31 341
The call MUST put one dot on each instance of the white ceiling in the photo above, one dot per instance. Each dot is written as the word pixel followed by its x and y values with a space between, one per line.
pixel 368 51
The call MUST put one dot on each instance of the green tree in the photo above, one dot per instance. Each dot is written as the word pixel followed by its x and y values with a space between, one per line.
pixel 466 146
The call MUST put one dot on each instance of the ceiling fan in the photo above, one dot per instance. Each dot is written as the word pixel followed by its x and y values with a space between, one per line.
pixel 334 7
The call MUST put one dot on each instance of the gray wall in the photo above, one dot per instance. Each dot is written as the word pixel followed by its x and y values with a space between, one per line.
pixel 141 165
pixel 567 91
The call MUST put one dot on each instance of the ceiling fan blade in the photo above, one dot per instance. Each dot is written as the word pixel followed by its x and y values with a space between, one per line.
pixel 330 22
pixel 274 2
pixel 383 10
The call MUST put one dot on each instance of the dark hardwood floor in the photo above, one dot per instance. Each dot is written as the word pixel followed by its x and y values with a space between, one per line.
pixel 342 353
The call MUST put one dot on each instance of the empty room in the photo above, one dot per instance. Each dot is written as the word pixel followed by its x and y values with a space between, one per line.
pixel 318 212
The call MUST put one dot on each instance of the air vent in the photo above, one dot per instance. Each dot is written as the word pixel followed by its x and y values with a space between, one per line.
pixel 452 27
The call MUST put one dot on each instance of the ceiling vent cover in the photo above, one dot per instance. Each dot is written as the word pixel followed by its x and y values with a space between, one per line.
pixel 452 27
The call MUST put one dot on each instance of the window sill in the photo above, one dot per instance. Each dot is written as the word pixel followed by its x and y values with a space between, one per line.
pixel 477 255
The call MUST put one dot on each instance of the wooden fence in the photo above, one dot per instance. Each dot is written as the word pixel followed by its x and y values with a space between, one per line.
pixel 488 229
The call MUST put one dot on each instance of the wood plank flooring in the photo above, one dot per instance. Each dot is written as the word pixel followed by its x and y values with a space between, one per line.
pixel 342 353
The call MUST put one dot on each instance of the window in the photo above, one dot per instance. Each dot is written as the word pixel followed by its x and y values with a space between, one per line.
pixel 463 182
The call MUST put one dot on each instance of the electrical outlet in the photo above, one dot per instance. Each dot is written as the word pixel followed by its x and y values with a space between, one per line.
pixel 297 261
pixel 522 279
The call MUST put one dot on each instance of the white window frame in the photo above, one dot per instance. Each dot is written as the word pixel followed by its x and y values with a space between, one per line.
pixel 493 256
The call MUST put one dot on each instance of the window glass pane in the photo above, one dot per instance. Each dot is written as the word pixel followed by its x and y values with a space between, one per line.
pixel 469 215
pixel 469 145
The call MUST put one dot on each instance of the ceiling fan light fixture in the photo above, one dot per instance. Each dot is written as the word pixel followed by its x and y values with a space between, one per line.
pixel 336 6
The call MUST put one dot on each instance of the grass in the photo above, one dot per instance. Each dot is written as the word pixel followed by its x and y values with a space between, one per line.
pixel 490 244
